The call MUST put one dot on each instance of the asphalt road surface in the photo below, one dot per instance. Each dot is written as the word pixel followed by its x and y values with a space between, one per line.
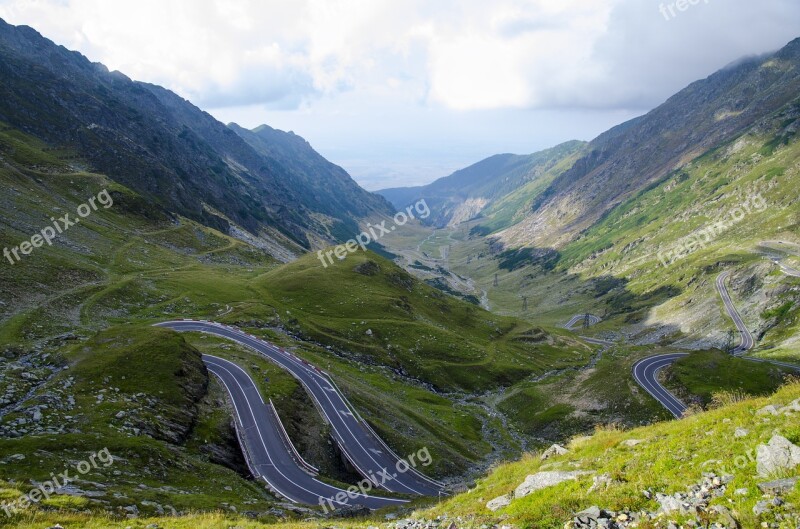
pixel 645 372
pixel 270 459
pixel 788 270
pixel 369 455
pixel 746 339
pixel 777 251
pixel 593 320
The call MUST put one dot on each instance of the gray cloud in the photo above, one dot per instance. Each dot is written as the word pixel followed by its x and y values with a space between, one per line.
pixel 646 58
pixel 275 88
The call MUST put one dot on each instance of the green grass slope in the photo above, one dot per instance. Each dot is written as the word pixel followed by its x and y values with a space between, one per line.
pixel 747 185
pixel 367 305
pixel 671 456
pixel 699 376
pixel 666 457
pixel 136 393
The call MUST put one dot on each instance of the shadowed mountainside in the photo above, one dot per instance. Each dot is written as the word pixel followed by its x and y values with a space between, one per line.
pixel 171 152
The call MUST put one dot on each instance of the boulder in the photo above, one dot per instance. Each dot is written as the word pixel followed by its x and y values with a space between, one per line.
pixel 725 518
pixel 792 407
pixel 778 455
pixel 592 512
pixel 499 502
pixel 554 450
pixel 768 410
pixel 761 507
pixel 779 486
pixel 669 504
pixel 630 443
pixel 542 480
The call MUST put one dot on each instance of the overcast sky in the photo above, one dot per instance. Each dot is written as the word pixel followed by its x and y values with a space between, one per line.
pixel 401 92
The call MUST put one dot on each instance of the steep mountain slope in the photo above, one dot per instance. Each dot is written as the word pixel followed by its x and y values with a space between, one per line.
pixel 642 152
pixel 324 186
pixel 649 265
pixel 467 192
pixel 717 213
pixel 637 229
pixel 168 150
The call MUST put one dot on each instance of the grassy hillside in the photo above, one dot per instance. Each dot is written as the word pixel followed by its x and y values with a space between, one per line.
pixel 367 305
pixel 485 186
pixel 741 192
pixel 670 457
pixel 665 458
pixel 696 378
pixel 613 270
pixel 82 307
pixel 649 265
pixel 637 155
pixel 512 207
pixel 137 393
pixel 177 156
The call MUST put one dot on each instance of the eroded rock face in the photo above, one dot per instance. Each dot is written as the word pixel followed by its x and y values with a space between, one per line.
pixel 777 455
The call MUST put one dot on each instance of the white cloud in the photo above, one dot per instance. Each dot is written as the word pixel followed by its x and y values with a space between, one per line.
pixel 345 72
pixel 514 55
pixel 461 54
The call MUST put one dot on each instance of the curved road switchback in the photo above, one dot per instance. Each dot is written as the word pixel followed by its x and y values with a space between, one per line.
pixel 783 249
pixel 788 270
pixel 269 458
pixel 367 452
pixel 746 339
pixel 593 320
pixel 645 372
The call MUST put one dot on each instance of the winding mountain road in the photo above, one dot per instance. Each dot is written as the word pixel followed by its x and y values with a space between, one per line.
pixel 593 320
pixel 746 341
pixel 645 371
pixel 777 251
pixel 369 455
pixel 269 458
pixel 788 270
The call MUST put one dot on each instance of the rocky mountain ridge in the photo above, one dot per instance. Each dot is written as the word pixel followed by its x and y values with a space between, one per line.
pixel 171 152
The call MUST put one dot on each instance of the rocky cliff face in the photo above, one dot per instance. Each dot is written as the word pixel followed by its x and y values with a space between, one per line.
pixel 324 186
